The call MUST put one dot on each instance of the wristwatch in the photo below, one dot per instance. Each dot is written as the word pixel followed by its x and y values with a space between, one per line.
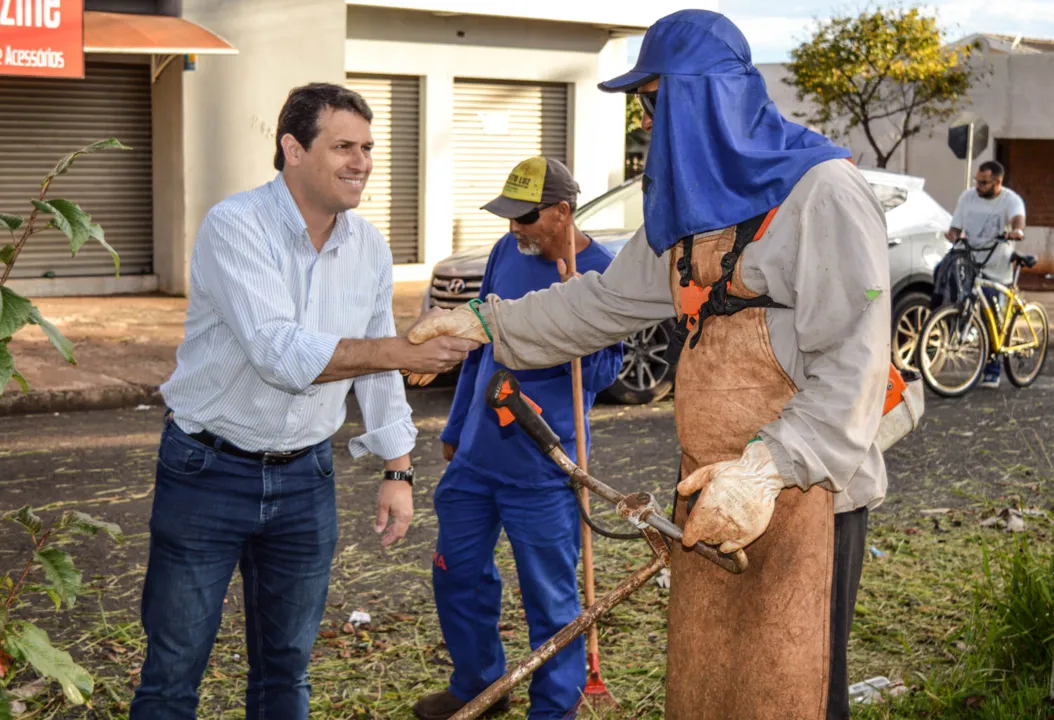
pixel 407 475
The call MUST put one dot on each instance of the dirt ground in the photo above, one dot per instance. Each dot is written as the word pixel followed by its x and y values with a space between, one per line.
pixel 972 456
pixel 128 340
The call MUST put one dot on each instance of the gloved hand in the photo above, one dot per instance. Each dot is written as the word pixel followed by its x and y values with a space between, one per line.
pixel 737 499
pixel 461 322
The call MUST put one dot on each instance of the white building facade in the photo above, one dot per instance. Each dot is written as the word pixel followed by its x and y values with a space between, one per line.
pixel 461 92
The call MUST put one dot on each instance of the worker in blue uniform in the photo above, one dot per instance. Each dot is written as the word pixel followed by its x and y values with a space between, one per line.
pixel 498 479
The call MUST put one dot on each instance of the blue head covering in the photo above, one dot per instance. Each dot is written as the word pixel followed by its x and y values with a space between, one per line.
pixel 721 152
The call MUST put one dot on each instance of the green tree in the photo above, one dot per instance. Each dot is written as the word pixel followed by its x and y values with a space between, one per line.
pixel 885 67
pixel 634 113
pixel 68 218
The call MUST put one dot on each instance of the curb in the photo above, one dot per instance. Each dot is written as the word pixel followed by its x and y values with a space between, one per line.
pixel 37 402
pixel 51 401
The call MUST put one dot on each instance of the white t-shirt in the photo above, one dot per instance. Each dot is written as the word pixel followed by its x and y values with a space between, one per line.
pixel 981 219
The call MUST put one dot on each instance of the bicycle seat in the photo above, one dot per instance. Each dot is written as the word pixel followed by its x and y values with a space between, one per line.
pixel 1028 261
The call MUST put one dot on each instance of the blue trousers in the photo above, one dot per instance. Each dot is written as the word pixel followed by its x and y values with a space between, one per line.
pixel 212 512
pixel 542 525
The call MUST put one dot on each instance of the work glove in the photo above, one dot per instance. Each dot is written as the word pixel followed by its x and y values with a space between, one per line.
pixel 461 322
pixel 736 502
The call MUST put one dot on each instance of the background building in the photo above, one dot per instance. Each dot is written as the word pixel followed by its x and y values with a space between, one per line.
pixel 461 92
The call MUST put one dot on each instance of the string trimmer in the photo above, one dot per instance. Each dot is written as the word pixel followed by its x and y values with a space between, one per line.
pixel 640 509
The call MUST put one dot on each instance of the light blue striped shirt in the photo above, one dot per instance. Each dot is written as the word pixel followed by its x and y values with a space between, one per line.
pixel 266 312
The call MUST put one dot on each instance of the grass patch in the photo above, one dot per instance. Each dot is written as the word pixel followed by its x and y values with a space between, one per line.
pixel 929 612
pixel 961 613
pixel 999 661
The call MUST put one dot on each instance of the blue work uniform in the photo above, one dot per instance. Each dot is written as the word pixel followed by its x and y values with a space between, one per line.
pixel 499 478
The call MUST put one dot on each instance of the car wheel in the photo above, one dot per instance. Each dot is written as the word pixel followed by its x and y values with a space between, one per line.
pixel 910 313
pixel 645 376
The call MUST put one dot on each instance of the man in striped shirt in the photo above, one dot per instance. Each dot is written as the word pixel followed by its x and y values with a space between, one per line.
pixel 290 310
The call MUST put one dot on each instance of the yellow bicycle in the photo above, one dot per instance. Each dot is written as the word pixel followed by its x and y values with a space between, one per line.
pixel 958 339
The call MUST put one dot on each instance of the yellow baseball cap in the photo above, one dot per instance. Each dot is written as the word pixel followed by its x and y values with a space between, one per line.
pixel 535 183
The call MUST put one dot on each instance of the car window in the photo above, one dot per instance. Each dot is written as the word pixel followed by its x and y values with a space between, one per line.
pixel 622 209
pixel 890 196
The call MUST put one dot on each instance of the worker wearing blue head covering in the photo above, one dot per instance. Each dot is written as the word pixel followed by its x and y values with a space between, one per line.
pixel 769 247
pixel 720 152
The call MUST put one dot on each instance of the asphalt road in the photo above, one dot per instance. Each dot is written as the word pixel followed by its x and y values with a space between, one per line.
pixel 103 462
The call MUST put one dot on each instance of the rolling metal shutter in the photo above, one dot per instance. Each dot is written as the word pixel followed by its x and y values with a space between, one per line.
pixel 391 198
pixel 43 119
pixel 496 125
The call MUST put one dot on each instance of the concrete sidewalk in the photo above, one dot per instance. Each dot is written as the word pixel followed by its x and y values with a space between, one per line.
pixel 125 347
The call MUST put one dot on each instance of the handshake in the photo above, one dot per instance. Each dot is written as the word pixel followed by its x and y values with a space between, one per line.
pixel 441 339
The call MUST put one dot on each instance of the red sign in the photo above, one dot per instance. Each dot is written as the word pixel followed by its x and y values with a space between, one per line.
pixel 44 38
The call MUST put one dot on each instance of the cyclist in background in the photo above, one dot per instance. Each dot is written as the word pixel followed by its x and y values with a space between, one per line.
pixel 983 213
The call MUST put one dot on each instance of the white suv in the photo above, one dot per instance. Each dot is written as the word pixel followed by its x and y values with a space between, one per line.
pixel 915 223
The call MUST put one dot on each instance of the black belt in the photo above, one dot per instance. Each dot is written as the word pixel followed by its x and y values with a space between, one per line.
pixel 268 458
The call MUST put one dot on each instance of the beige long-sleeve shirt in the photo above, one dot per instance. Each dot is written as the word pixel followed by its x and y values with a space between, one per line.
pixel 824 256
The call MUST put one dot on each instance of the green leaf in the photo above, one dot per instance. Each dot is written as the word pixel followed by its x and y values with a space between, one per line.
pixel 87 524
pixel 43 590
pixel 7 254
pixel 96 231
pixel 3 619
pixel 7 366
pixel 43 207
pixel 57 338
pixel 65 579
pixel 14 311
pixel 29 643
pixel 11 222
pixel 22 382
pixel 5 706
pixel 77 234
pixel 78 227
pixel 64 164
pixel 25 517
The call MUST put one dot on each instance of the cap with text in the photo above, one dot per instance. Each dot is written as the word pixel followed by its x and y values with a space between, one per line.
pixel 535 183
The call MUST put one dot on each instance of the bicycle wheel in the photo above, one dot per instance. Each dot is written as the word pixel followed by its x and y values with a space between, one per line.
pixel 1024 366
pixel 952 351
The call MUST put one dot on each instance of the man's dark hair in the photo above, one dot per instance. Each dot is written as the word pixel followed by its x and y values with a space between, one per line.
pixel 993 167
pixel 299 116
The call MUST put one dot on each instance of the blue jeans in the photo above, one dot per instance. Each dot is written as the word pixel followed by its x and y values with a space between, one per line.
pixel 213 511
pixel 543 528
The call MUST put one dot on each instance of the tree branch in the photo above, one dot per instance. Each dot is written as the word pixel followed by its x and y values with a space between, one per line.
pixel 25 233
pixel 25 573
pixel 905 132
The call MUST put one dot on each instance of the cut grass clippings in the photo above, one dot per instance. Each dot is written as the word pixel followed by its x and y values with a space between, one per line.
pixel 918 597
pixel 927 613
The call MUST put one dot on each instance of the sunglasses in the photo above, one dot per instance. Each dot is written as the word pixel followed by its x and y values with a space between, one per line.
pixel 648 101
pixel 532 217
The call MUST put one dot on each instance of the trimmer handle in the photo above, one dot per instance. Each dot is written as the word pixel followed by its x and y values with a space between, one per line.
pixel 503 392
pixel 504 396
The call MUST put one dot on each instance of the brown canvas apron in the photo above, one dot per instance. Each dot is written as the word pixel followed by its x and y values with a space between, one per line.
pixel 753 646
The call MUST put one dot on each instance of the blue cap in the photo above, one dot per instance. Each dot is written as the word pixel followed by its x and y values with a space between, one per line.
pixel 669 48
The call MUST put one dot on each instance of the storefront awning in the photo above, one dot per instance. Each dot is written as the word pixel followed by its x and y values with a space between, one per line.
pixel 106 32
pixel 160 36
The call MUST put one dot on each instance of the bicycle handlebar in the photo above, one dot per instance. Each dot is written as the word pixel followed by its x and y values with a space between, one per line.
pixel 1001 237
